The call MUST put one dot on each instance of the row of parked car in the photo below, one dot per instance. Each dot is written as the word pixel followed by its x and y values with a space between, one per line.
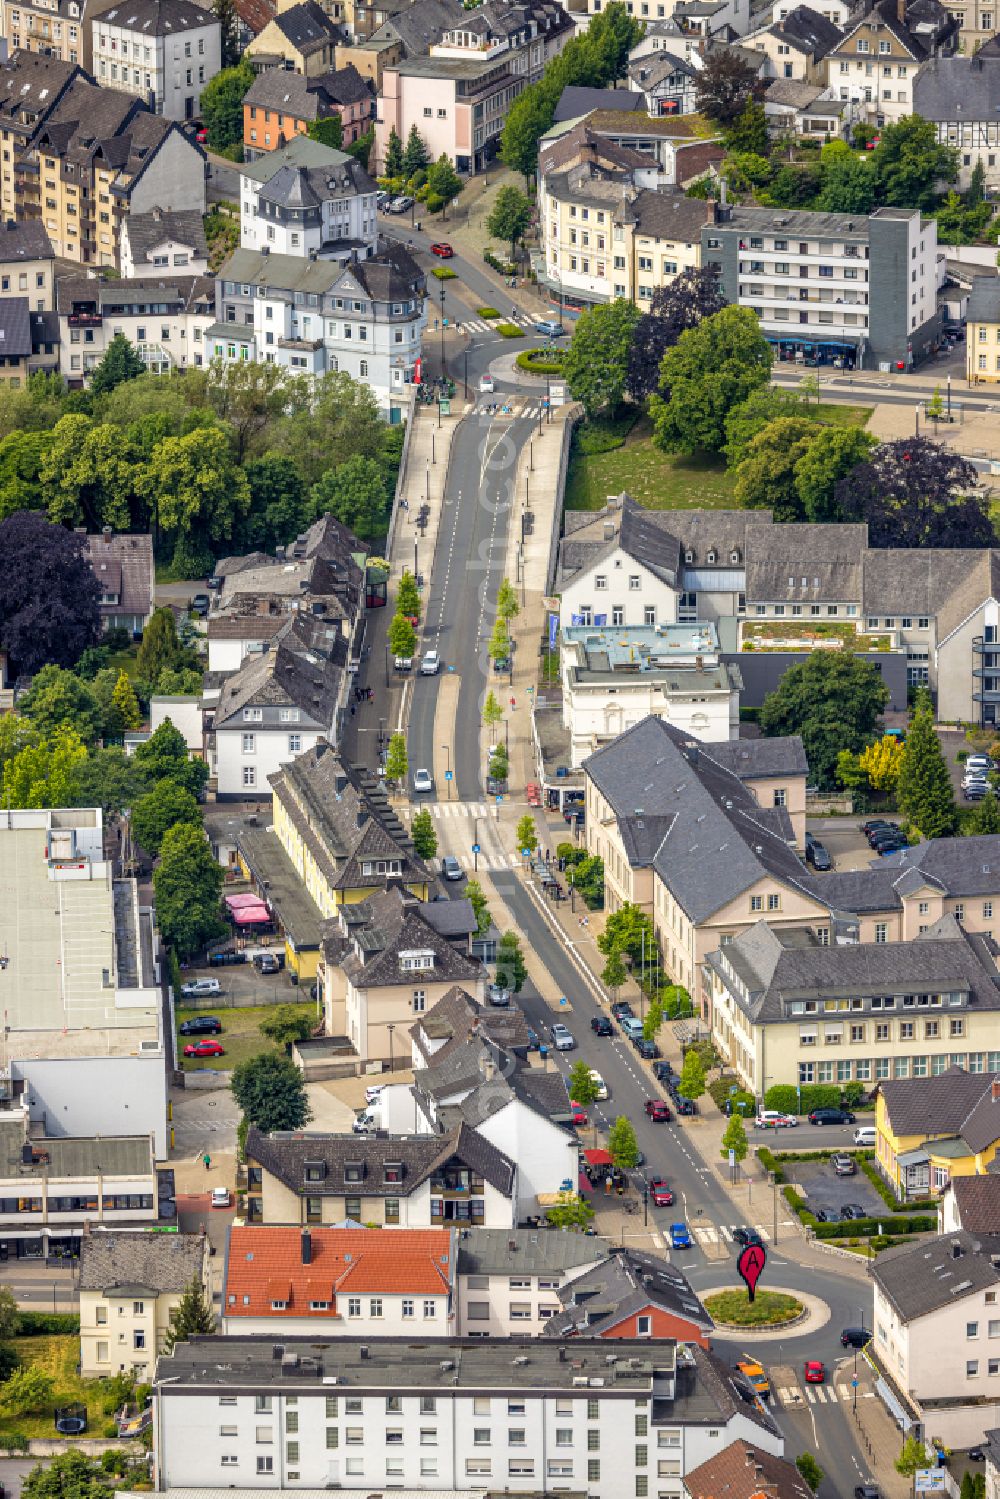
pixel 975 781
pixel 884 837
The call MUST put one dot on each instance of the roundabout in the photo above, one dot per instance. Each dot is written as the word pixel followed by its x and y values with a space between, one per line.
pixel 813 1314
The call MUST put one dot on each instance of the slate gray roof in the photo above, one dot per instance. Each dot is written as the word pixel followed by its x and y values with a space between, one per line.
pixel 652 67
pixel 123 564
pixel 576 100
pixel 790 92
pixel 111 1259
pixel 307 27
pixel 285 1155
pixel 26 240
pixel 65 1156
pixel 672 215
pixel 808 31
pixel 818 562
pixel 984 297
pixel 302 669
pixel 147 230
pixel 456 1018
pixel 501 1251
pixel 452 918
pixel 623 1285
pixel 923 1277
pixel 15 329
pixel 31 85
pixel 977 1200
pixel 368 937
pixel 158 17
pixel 962 866
pixel 958 88
pixel 954 1103
pixel 420 27
pixel 753 759
pixel 710 1394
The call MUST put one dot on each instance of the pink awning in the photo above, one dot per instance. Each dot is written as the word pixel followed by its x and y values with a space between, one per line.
pixel 237 902
pixel 252 916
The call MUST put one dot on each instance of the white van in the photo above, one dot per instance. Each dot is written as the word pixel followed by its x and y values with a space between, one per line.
pixel 865 1135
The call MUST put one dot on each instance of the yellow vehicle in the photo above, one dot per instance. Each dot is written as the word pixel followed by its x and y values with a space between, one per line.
pixel 755 1377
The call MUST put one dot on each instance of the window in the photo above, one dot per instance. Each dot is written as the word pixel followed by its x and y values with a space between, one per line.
pixel 779 797
pixel 774 902
pixel 643 1327
pixel 249 744
pixel 756 903
pixel 971 1368
pixel 634 583
pixel 881 931
pixel 375 1306
pixel 265 1465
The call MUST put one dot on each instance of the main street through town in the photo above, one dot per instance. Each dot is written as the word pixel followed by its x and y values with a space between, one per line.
pixel 460 586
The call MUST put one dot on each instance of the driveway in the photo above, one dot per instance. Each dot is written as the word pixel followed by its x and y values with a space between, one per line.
pixel 824 1189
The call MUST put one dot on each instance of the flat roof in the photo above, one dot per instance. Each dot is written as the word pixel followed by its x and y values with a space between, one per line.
pixel 118 1155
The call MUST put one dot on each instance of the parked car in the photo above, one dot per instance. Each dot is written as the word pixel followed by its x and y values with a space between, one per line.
pixel 867 1491
pixel 660 1193
pixel 442 249
pixel 199 988
pixel 268 962
pixel 685 1106
pixel 823 1216
pixel 815 1371
pixel 220 1197
pixel 831 1116
pixel 852 1210
pixel 550 327
pixel 878 828
pixel 579 1115
pixel 600 1085
pixel 664 1073
pixel 658 1111
pixel 980 762
pixel 400 204
pixel 403 663
pixel 365 1123
pixel 854 1337
pixel 561 1038
pixel 648 1050
pixel 816 854
pixel 601 1026
pixel 865 1134
pixel 631 1026
pixel 204 1049
pixel 679 1236
pixel 976 791
pixel 746 1236
pixel 774 1119
pixel 200 604
pixel 844 1165
pixel 498 995
pixel 374 1093
pixel 202 1025
pixel 451 868
pixel 621 1008
pixel 423 780
pixel 227 956
pixel 430 664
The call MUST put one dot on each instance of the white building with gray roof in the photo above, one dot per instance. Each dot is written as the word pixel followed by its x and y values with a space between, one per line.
pixel 959 96
pixel 308 200
pixel 509 1281
pixel 165 51
pixel 129 1285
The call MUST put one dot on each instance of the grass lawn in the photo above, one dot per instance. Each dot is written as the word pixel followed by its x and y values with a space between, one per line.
pixel 240 1036
pixel 125 660
pixel 768 1308
pixel 775 635
pixel 58 1355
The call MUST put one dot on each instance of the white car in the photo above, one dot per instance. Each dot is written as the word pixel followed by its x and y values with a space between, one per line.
pixel 430 664
pixel 365 1123
pixel 220 1197
pixel 774 1119
pixel 486 386
pixel 374 1093
pixel 423 780
pixel 599 1084
pixel 561 1038
pixel 199 988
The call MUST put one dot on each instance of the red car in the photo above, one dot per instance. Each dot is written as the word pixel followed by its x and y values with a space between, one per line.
pixel 205 1049
pixel 657 1111
pixel 815 1372
pixel 201 136
pixel 444 250
pixel 660 1192
pixel 579 1116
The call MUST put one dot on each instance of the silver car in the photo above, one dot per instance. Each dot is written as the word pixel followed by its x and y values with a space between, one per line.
pixel 451 868
pixel 423 780
pixel 561 1038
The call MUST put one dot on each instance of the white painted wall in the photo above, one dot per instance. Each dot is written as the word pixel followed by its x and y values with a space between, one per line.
pixel 546 1155
pixel 272 749
pixel 185 715
pixel 627 585
pixel 504 1303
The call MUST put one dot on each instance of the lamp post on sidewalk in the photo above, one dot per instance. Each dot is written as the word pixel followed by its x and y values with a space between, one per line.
pixel 447 767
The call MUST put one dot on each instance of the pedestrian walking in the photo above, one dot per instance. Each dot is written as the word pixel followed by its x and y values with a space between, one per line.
pixel 513 703
pixel 608 1184
pixel 353 710
pixel 207 1160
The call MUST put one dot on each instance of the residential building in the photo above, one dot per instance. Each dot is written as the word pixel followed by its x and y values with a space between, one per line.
pixel 797 45
pixel 788 1008
pixel 31 85
pixel 508 1281
pixel 935 1334
pixel 306 200
pixel 804 109
pixel 165 320
pixel 875 64
pixel 50 28
pixel 831 287
pixel 366 318
pixel 742 1471
pixel 971 1203
pixel 15 342
pixel 26 264
pixel 954 93
pixel 299 40
pixel 412 28
pixel 129 1285
pixel 991 1447
pixel 403 1181
pixel 280 105
pixel 83 1039
pixel 165 51
pixel 982 346
pixel 437 1415
pixel 837 11
pixel 530 33
pixel 160 241
pixel 458 105
pixel 326 1282
pixel 382 964
pixel 124 567
pixel 614 676
pixel 630 1294
pixel 468 1068
pixel 666 82
pixel 977 26
pixel 934 1129
pixel 92 159
pixel 53 1188
pixel 664 34
pixel 371 58
pixel 253 16
pixel 344 839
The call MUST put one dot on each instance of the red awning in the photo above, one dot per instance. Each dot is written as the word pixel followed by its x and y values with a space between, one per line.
pixel 237 902
pixel 597 1158
pixel 251 916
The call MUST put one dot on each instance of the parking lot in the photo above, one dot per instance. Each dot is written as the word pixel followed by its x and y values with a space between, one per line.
pixel 824 1189
pixel 843 840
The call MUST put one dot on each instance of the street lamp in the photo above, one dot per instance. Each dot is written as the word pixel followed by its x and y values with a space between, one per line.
pixel 447 773
pixel 387 663
pixel 475 845
pixel 444 366
pixel 392 1061
pixel 414 559
pixel 949 405
pixel 466 356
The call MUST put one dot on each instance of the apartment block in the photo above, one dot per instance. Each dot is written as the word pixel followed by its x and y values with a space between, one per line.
pixel 165 321
pixel 130 1282
pixel 307 200
pixel 27 262
pixel 49 28
pixel 982 343
pixel 163 51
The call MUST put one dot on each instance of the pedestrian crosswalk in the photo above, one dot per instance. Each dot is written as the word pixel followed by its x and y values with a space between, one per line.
pixel 792 1396
pixel 709 1233
pixel 458 809
pixel 482 325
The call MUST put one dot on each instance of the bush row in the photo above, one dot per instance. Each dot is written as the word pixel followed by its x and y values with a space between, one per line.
pixel 892 1202
pixel 788 1099
pixel 861 1228
pixel 39 1324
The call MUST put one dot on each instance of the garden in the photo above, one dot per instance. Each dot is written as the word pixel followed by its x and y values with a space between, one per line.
pixel 768 1309
pixel 247 1032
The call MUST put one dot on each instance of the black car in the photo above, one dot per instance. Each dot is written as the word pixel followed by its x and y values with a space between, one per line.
pixel 822 1216
pixel 878 828
pixel 746 1236
pixel 202 1025
pixel 852 1210
pixel 831 1116
pixel 867 1491
pixel 621 1008
pixel 601 1026
pixel 816 854
pixel 648 1050
pixel 664 1072
pixel 855 1337
pixel 685 1105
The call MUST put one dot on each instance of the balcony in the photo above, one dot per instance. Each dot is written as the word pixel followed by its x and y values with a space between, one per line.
pixel 85 319
pixel 981 647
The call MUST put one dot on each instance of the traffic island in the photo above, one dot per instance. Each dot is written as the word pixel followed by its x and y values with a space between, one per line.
pixel 813 1313
pixel 768 1309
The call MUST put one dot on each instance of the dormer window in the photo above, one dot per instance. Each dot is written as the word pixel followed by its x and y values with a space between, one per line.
pixel 279 1306
pixel 418 959
pixel 734 556
pixel 392 1172
pixel 689 555
pixel 711 558
pixel 354 1171
pixel 315 1171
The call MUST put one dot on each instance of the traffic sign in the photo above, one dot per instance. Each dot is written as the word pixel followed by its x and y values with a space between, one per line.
pixel 447 775
pixel 476 848
pixel 526 853
pixel 445 408
pixel 499 799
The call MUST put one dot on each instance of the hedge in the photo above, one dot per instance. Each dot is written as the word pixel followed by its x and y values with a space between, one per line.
pixel 38 1324
pixel 444 273
pixel 509 330
pixel 785 1097
pixel 489 313
pixel 529 361
pixel 892 1202
pixel 865 1228
pixel 719 1089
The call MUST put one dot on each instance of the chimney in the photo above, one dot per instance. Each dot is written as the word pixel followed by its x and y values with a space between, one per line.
pixel 307 1247
pixel 487 1067
pixel 106 533
pixel 711 211
pixel 901 12
pixel 995 1090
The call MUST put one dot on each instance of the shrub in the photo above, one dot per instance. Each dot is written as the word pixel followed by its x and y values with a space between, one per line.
pixel 604 436
pixel 38 1324
pixel 488 313
pixel 504 267
pixel 528 361
pixel 719 1089
pixel 770 1163
pixel 444 273
pixel 866 1228
pixel 509 330
pixel 17 1441
pixel 887 1195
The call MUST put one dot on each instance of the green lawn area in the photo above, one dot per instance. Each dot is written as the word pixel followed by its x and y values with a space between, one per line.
pixel 768 1308
pixel 125 660
pixel 836 415
pixel 774 635
pixel 240 1036
pixel 58 1356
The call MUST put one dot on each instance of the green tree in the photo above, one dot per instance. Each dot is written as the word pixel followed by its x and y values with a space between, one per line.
pixel 222 105
pixel 70 1475
pixel 527 833
pixel 415 154
pixel 710 370
pixel 126 702
pixel 396 762
pixel 393 155
pixel 734 1139
pixel 570 1212
pixel 831 454
pixel 27 1390
pixel 329 131
pixel 924 791
pixel 355 494
pixel 849 184
pixel 809 1469
pixel 44 773
pixel 511 968
pixel 192 1316
pixel 596 363
pixel 498 767
pixel 834 700
pixel 935 406
pixel 614 973
pixel 976 191
pixel 166 805
pixel 766 479
pixel 475 894
pixel 507 606
pixel 319 425
pixel 270 1091
pixel 628 929
pixel 581 1085
pixel 424 837
pixel 287 1023
pixel 509 216
pixel 527 120
pixel 121 362
pixel 196 491
pixel 748 132
pixel 227 15
pixel 443 183
pixel 89 475
pixel 160 647
pixel 692 1083
pixel 984 819
pixel 10 1317
pixel 623 1147
pixel 492 711
pixel 912 1457
pixel 57 697
pixel 106 778
pixel 653 1018
pixel 188 884
pixel 408 599
pixel 402 636
pixel 279 506
pixel 165 755
pixel 499 646
pixel 22 455
pixel 184 681
pixel 909 163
